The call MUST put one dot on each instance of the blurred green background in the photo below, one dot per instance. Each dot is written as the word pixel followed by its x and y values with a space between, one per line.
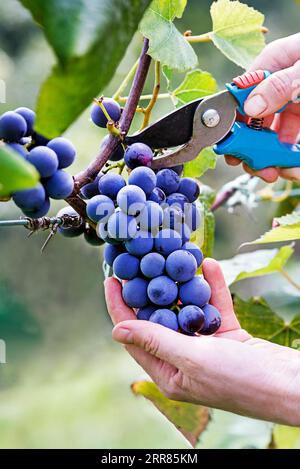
pixel 66 384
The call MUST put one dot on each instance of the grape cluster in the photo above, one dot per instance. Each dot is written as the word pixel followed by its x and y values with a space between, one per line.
pixel 49 158
pixel 147 224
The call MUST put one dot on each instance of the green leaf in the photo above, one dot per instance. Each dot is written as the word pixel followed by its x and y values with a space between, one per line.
pixel 207 159
pixel 195 85
pixel 290 219
pixel 15 173
pixel 237 31
pixel 190 419
pixel 80 39
pixel 279 234
pixel 257 317
pixel 167 44
pixel 286 437
pixel 255 264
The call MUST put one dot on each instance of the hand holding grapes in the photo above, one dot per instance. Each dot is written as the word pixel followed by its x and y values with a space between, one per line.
pixel 231 370
pixel 283 58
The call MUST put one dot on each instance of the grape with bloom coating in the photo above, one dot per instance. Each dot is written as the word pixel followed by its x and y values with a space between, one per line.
pixel 157 195
pixel 144 178
pixel 60 185
pixel 100 208
pixel 44 159
pixel 212 321
pixel 166 318
pixel 195 292
pixel 39 212
pixel 131 200
pixel 181 266
pixel 91 189
pixel 141 244
pixel 110 184
pixel 121 226
pixel 168 181
pixel 167 241
pixel 29 117
pixel 193 249
pixel 111 252
pixel 145 313
pixel 126 266
pixel 138 154
pixel 135 292
pixel 12 127
pixel 30 199
pixel 189 188
pixel 64 150
pixel 162 290
pixel 113 109
pixel 153 265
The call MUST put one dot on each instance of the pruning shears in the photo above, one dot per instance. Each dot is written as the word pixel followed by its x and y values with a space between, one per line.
pixel 212 121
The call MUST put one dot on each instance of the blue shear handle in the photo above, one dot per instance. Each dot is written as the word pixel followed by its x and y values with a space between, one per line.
pixel 258 148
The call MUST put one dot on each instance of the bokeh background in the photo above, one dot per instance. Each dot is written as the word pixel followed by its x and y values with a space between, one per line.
pixel 66 384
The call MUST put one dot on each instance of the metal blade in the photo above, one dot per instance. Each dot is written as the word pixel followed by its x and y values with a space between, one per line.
pixel 172 130
pixel 203 136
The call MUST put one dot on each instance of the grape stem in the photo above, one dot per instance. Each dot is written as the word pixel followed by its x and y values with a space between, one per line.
pixel 112 142
pixel 155 93
pixel 289 279
pixel 117 95
pixel 207 37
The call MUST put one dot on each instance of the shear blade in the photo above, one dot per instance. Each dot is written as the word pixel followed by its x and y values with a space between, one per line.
pixel 170 131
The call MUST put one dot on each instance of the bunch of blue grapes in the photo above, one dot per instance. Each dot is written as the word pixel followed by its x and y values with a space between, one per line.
pixel 146 224
pixel 50 158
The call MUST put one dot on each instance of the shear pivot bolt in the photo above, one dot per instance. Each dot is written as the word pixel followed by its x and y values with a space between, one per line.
pixel 211 118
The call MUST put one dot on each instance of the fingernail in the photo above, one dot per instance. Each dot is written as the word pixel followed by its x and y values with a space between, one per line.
pixel 123 335
pixel 255 105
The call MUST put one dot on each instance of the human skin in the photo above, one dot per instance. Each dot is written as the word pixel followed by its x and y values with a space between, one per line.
pixel 231 370
pixel 283 58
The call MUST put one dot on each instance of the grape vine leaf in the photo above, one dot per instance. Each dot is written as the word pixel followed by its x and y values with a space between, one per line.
pixel 80 32
pixel 279 234
pixel 166 44
pixel 195 85
pixel 255 264
pixel 286 437
pixel 15 173
pixel 190 419
pixel 257 317
pixel 207 159
pixel 236 31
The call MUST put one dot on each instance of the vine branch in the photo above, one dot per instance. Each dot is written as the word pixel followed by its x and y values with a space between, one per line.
pixel 112 142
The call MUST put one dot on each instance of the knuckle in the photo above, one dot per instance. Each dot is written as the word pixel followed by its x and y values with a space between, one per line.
pixel 151 345
pixel 280 84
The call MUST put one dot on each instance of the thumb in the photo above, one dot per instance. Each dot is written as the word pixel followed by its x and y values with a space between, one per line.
pixel 155 339
pixel 274 92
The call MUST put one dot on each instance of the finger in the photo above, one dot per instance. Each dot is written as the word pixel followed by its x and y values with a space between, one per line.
pixel 279 54
pixel 274 92
pixel 160 371
pixel 289 127
pixel 232 161
pixel 116 307
pixel 156 340
pixel 292 174
pixel 267 174
pixel 220 295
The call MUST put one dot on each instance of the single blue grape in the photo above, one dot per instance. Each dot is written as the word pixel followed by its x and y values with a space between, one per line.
pixel 141 244
pixel 166 318
pixel 18 148
pixel 191 319
pixel 181 266
pixel 102 232
pixel 190 188
pixel 177 200
pixel 173 218
pixel 72 231
pixel 193 249
pixel 212 321
pixel 192 215
pixel 91 237
pixel 157 195
pixel 168 181
pixel 30 199
pixel 12 127
pixel 40 212
pixel 60 185
pixel 44 159
pixel 111 252
pixel 126 266
pixel 135 292
pixel 29 117
pixel 167 241
pixel 91 189
pixel 112 108
pixel 64 150
pixel 121 226
pixel 195 292
pixel 144 178
pixel 100 208
pixel 138 154
pixel 153 265
pixel 131 199
pixel 162 290
pixel 110 184
pixel 151 217
pixel 145 313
